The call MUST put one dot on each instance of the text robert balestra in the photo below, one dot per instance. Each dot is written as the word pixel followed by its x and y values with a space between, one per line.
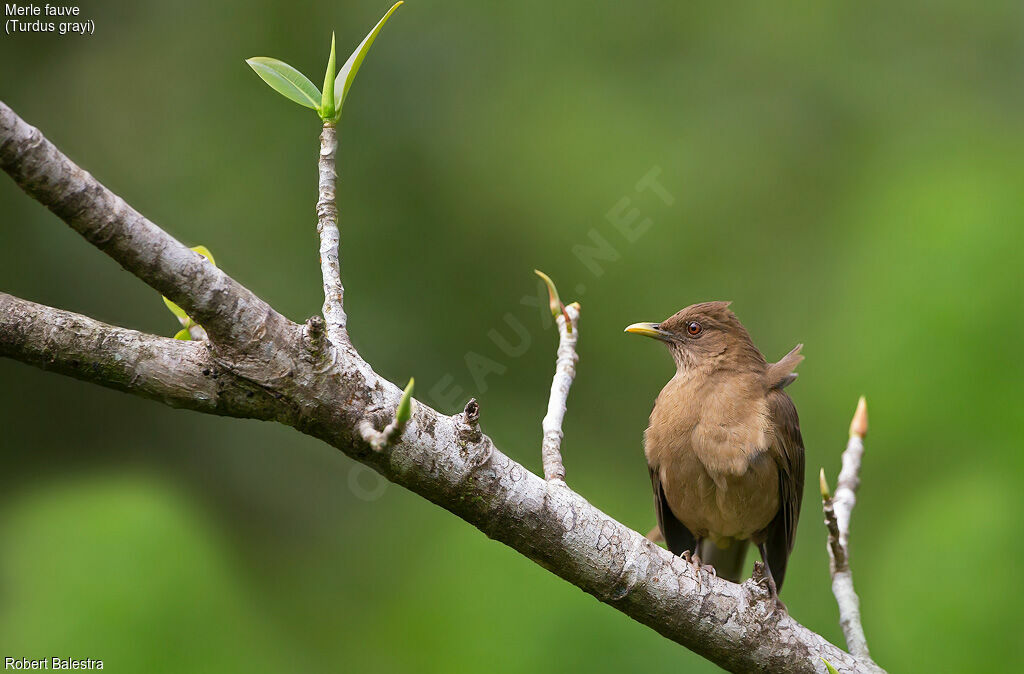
pixel 52 663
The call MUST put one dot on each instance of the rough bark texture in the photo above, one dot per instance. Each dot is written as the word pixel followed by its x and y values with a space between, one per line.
pixel 174 372
pixel 297 377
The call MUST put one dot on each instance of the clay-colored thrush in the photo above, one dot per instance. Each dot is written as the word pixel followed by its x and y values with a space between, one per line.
pixel 723 446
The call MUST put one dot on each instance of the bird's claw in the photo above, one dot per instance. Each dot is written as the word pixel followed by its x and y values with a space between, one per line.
pixel 773 595
pixel 775 605
pixel 698 567
pixel 763 577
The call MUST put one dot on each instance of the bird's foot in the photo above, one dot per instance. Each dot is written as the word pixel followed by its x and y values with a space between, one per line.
pixel 764 578
pixel 775 605
pixel 699 568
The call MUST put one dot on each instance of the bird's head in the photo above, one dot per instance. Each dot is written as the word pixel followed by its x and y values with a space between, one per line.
pixel 700 333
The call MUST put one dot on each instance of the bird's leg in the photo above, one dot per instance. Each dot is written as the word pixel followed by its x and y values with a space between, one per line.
pixel 693 559
pixel 698 546
pixel 768 580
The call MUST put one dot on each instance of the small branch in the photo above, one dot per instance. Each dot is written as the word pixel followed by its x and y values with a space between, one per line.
pixel 381 440
pixel 327 226
pixel 229 312
pixel 838 509
pixel 565 371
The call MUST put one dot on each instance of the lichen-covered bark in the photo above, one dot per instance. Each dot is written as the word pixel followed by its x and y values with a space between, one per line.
pixel 296 376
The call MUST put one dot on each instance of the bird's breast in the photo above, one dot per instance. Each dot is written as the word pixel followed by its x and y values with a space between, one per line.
pixel 722 507
pixel 711 450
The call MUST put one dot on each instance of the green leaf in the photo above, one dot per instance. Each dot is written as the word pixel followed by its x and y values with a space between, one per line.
pixel 554 303
pixel 205 252
pixel 348 71
pixel 327 102
pixel 286 81
pixel 176 310
pixel 404 411
pixel 183 334
pixel 553 300
pixel 831 669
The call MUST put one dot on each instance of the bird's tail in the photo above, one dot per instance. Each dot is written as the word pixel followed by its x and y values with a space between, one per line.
pixel 728 562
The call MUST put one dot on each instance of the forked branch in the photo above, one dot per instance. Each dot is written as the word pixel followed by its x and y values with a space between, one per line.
pixel 260 364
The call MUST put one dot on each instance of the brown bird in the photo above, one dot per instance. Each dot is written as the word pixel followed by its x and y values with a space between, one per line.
pixel 723 446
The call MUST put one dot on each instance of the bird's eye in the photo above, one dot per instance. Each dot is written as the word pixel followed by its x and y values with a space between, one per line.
pixel 693 328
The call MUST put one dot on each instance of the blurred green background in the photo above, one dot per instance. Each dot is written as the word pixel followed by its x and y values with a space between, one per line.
pixel 850 176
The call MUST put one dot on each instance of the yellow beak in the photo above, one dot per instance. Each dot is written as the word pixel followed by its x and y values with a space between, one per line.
pixel 648 330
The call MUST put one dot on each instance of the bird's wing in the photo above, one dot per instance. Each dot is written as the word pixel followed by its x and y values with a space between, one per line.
pixel 780 374
pixel 788 451
pixel 677 537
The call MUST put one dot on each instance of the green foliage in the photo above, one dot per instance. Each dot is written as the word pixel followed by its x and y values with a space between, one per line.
pixel 554 302
pixel 176 310
pixel 293 85
pixel 404 411
pixel 828 665
pixel 347 74
pixel 286 81
pixel 205 252
pixel 327 106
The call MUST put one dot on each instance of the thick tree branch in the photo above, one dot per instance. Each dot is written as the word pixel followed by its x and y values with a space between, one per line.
pixel 838 508
pixel 327 226
pixel 228 311
pixel 176 373
pixel 327 393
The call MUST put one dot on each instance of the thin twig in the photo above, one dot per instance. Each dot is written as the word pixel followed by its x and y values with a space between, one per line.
pixel 327 226
pixel 837 509
pixel 565 371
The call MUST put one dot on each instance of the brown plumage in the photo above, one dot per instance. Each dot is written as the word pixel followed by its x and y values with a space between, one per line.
pixel 724 449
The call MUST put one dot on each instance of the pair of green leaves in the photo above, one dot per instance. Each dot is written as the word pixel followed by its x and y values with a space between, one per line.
pixel 295 86
pixel 186 322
